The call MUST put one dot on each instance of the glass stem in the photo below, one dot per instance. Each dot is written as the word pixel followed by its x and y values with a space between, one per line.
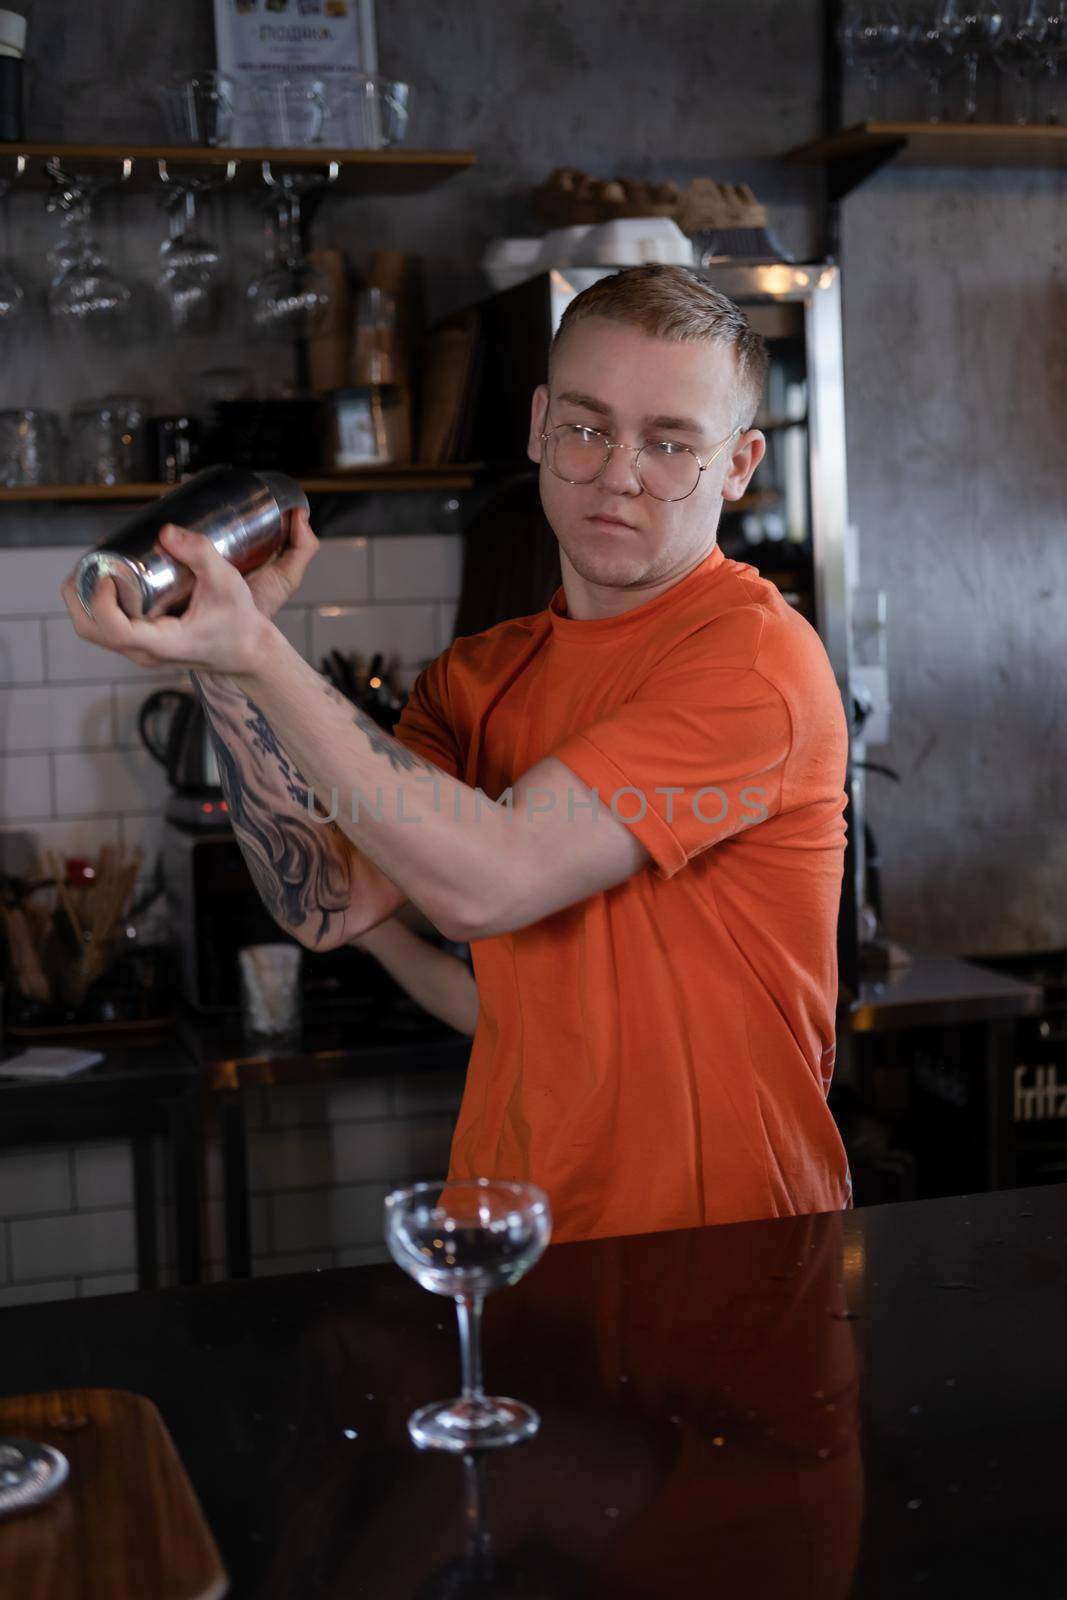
pixel 970 108
pixel 469 1313
pixel 1024 101
pixel 933 97
pixel 479 1543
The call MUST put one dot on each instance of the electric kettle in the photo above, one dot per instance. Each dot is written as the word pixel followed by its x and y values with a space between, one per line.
pixel 174 729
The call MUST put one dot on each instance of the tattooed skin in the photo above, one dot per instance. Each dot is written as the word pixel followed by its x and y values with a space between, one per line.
pixel 300 868
pixel 383 744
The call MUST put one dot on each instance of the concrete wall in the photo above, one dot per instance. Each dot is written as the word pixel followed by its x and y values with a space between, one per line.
pixel 956 355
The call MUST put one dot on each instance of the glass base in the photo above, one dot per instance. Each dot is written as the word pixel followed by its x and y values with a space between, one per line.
pixel 484 1424
pixel 282 1043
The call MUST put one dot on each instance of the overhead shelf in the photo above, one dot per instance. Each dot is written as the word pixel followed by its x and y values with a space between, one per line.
pixel 391 172
pixel 755 500
pixel 854 154
pixel 375 480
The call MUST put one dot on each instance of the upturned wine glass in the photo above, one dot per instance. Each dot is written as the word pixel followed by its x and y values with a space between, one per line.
pixel 291 296
pixel 872 38
pixel 188 263
pixel 980 29
pixel 1020 55
pixel 1053 21
pixel 464 1238
pixel 930 42
pixel 12 296
pixel 85 292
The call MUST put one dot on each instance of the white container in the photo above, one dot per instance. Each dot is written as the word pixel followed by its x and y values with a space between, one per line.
pixel 507 262
pixel 12 34
pixel 562 247
pixel 270 991
pixel 630 241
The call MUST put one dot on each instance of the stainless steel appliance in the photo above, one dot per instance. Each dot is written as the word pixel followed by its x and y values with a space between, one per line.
pixel 214 909
pixel 793 525
pixel 174 729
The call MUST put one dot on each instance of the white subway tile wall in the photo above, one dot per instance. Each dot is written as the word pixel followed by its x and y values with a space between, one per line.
pixel 420 567
pixel 340 572
pixel 404 631
pixel 74 775
pixel 70 1246
pixel 25 1294
pixel 21 648
pixel 76 717
pixel 103 1176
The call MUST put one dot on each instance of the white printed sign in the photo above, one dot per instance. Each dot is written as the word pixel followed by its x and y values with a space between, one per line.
pixel 323 41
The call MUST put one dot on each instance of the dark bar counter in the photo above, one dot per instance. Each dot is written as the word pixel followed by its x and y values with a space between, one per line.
pixel 861 1404
pixel 344 1042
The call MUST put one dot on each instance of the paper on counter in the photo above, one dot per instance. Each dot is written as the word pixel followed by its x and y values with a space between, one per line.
pixel 49 1061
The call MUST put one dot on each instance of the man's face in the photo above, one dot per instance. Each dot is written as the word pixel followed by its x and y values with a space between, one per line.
pixel 633 378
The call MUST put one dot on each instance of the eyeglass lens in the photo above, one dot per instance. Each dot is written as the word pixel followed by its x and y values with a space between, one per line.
pixel 666 472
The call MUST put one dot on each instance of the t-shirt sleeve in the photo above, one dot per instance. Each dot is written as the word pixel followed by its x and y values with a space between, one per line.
pixel 425 724
pixel 694 757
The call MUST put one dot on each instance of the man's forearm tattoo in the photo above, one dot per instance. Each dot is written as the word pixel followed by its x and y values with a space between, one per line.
pixel 301 868
pixel 399 757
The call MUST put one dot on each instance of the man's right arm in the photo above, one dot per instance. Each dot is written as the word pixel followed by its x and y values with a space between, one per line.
pixel 313 880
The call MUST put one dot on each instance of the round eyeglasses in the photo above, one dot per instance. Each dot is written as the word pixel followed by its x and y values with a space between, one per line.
pixel 665 470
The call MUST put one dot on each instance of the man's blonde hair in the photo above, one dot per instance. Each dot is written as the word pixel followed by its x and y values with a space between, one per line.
pixel 676 303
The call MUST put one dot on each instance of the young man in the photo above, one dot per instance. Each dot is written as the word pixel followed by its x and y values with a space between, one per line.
pixel 652 902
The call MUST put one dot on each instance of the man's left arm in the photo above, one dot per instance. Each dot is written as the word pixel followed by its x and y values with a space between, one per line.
pixel 695 758
pixel 475 864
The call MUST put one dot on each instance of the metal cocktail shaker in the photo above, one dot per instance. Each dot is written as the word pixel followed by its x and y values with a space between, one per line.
pixel 245 514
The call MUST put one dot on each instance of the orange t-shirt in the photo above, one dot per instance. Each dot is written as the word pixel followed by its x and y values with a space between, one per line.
pixel 658 1055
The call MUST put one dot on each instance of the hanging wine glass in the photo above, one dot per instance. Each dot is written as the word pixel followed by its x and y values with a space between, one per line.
pixel 188 281
pixel 68 204
pixel 12 295
pixel 188 277
pixel 85 293
pixel 290 298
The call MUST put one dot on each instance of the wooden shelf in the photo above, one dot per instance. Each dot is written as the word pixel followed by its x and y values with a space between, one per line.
pixel 756 500
pixel 375 480
pixel 788 582
pixel 390 172
pixel 855 154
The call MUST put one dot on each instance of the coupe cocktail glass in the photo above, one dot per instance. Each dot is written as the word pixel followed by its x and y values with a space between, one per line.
pixel 464 1238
